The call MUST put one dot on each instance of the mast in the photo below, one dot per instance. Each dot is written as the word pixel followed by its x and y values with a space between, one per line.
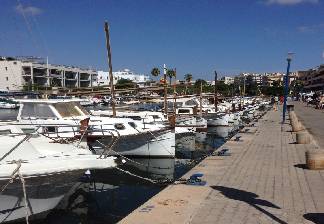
pixel 215 92
pixel 200 100
pixel 111 78
pixel 47 78
pixel 165 90
pixel 175 91
pixel 243 90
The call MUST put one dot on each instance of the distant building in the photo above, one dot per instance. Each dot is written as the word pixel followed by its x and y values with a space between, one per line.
pixel 227 80
pixel 273 79
pixel 139 79
pixel 312 79
pixel 16 73
pixel 251 79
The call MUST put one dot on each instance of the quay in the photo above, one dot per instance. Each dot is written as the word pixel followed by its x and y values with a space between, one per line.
pixel 264 180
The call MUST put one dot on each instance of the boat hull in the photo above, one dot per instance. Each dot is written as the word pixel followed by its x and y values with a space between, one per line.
pixel 159 144
pixel 43 194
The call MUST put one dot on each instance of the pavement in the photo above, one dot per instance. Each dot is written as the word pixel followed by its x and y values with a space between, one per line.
pixel 312 119
pixel 264 180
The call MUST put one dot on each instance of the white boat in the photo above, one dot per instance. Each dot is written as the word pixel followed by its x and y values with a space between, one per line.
pixel 220 120
pixel 221 131
pixel 201 124
pixel 129 137
pixel 48 170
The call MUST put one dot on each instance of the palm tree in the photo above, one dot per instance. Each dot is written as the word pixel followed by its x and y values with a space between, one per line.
pixel 188 78
pixel 170 74
pixel 155 72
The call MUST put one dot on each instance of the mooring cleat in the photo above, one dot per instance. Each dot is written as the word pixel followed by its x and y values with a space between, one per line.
pixel 237 138
pixel 195 179
pixel 224 152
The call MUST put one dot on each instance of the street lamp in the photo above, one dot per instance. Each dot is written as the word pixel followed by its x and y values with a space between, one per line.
pixel 289 57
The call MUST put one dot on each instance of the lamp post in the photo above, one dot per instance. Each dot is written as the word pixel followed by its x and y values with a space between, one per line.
pixel 286 88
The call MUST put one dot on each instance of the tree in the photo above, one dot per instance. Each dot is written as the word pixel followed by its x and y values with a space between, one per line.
pixel 251 89
pixel 296 87
pixel 171 73
pixel 188 78
pixel 125 84
pixel 200 82
pixel 155 72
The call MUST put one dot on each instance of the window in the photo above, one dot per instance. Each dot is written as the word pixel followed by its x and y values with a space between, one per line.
pixel 38 110
pixel 183 111
pixel 191 103
pixel 70 109
pixel 6 68
pixel 5 132
pixel 50 129
pixel 7 78
pixel 67 109
pixel 132 124
pixel 28 130
pixel 119 126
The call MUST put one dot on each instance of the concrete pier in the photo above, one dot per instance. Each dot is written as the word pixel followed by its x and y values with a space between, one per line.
pixel 264 180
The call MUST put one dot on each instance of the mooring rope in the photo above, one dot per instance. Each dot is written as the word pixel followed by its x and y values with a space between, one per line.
pixel 13 175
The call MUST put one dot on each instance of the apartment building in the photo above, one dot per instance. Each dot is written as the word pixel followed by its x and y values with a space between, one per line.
pixel 312 79
pixel 19 73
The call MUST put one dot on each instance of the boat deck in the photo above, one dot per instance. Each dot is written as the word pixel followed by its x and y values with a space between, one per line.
pixel 264 180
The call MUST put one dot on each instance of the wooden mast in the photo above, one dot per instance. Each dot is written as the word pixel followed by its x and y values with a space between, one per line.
pixel 165 90
pixel 215 92
pixel 200 100
pixel 111 78
pixel 175 93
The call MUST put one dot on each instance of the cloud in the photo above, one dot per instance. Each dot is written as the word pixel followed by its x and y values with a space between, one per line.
pixel 311 29
pixel 289 2
pixel 28 10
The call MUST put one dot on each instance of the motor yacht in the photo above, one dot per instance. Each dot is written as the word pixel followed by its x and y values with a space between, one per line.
pixel 126 136
pixel 36 172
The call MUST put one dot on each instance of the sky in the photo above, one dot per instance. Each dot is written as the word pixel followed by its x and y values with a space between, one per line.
pixel 193 36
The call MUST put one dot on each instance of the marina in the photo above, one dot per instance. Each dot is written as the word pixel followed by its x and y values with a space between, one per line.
pixel 164 112
pixel 145 168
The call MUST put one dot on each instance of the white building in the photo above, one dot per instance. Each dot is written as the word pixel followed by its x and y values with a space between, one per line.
pixel 227 80
pixel 16 73
pixel 139 79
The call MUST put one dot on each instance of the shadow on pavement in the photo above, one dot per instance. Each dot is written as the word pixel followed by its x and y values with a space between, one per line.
pixel 251 199
pixel 317 218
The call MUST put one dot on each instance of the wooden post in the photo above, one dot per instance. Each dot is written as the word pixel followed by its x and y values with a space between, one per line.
pixel 112 89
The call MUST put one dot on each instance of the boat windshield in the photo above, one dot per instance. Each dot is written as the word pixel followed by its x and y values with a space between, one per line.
pixel 191 103
pixel 70 109
pixel 37 110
